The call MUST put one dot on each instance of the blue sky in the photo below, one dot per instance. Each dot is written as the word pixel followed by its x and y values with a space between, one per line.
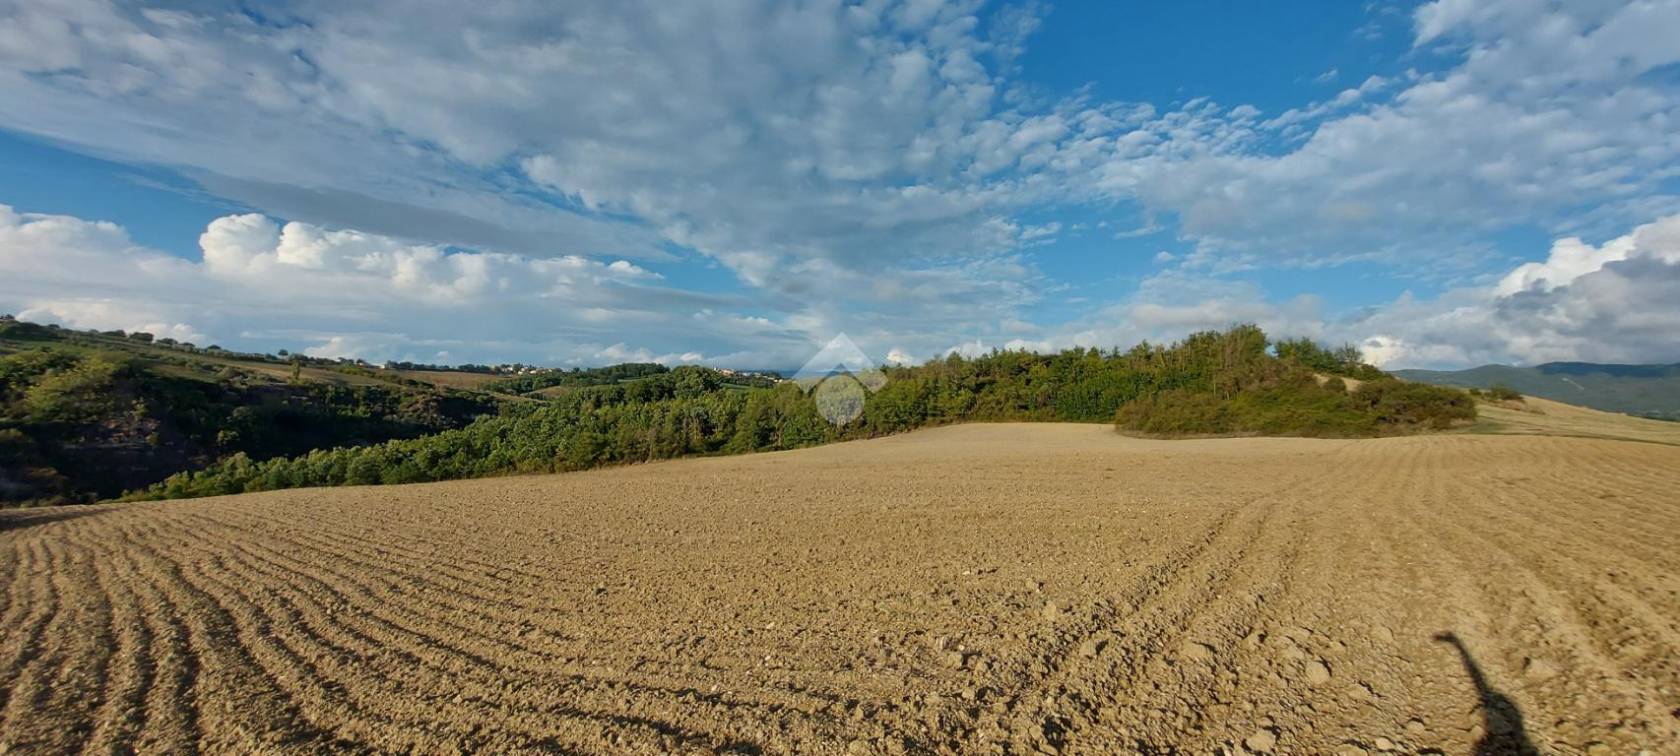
pixel 1269 55
pixel 1443 183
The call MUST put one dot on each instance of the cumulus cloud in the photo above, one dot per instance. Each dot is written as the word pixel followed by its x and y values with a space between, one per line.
pixel 334 293
pixel 262 284
pixel 1569 259
pixel 1609 303
pixel 349 294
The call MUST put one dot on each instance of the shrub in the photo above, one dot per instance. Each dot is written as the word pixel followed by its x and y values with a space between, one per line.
pixel 1401 405
pixel 19 330
pixel 1500 392
pixel 1177 413
pixel 1282 404
pixel 75 393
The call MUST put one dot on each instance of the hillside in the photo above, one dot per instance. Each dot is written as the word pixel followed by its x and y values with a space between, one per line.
pixel 1644 390
pixel 86 415
pixel 984 588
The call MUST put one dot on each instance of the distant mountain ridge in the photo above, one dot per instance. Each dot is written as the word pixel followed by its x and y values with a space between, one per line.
pixel 1644 390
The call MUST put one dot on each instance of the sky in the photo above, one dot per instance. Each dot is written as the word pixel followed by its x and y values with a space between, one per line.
pixel 736 182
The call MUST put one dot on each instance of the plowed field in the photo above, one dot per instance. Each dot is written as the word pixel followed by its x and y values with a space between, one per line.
pixel 983 588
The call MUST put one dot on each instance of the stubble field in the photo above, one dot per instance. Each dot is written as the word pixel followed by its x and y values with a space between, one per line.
pixel 983 588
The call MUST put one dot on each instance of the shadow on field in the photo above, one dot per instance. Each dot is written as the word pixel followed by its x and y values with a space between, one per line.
pixel 18 519
pixel 1502 719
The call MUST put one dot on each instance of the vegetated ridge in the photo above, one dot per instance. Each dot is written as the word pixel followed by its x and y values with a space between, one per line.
pixel 1644 390
pixel 1214 383
pixel 86 416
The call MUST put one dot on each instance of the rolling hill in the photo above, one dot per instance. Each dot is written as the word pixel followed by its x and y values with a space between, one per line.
pixel 1644 390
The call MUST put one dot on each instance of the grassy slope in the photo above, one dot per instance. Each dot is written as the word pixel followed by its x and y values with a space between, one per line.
pixel 1647 390
pixel 1545 417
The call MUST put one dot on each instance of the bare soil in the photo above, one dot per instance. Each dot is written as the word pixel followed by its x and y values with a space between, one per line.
pixel 983 588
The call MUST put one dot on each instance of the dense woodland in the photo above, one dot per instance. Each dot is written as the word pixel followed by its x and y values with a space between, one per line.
pixel 1232 382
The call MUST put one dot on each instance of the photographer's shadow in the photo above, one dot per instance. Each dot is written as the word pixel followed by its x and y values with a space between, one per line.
pixel 1502 718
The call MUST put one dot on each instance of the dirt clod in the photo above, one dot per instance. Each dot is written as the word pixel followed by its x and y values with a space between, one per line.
pixel 1539 670
pixel 1318 672
pixel 1196 652
pixel 1262 741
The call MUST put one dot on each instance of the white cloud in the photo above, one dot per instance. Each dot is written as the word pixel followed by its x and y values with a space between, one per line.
pixel 1548 118
pixel 1607 303
pixel 347 294
pixel 760 133
pixel 1610 303
pixel 1569 259
pixel 620 352
pixel 339 293
pixel 106 315
pixel 334 293
pixel 969 349
pixel 305 260
pixel 862 167
pixel 766 134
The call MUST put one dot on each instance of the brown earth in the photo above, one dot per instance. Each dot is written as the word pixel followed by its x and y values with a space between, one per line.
pixel 982 588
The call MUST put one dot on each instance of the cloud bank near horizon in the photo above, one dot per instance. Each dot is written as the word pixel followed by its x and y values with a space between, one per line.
pixel 353 294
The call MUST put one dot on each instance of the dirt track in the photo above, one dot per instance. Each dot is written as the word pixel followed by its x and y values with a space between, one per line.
pixel 980 588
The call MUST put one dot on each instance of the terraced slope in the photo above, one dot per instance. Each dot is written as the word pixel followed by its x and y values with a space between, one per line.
pixel 980 588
